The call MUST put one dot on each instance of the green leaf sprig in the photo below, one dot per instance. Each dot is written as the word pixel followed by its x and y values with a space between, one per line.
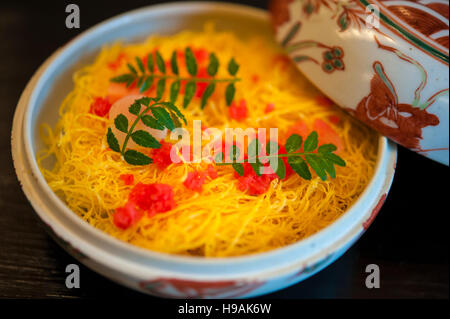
pixel 146 76
pixel 152 113
pixel 321 159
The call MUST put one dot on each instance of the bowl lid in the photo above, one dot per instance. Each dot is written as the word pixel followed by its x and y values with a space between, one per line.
pixel 385 62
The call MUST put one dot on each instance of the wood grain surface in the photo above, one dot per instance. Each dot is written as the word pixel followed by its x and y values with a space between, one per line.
pixel 408 240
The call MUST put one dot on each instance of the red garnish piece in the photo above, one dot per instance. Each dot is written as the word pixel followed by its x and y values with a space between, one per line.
pixel 153 198
pixel 161 156
pixel 128 179
pixel 299 128
pixel 269 108
pixel 257 185
pixel 255 78
pixel 324 101
pixel 126 216
pixel 201 55
pixel 183 86
pixel 252 183
pixel 201 86
pixel 211 171
pixel 100 106
pixel 238 112
pixel 116 64
pixel 195 181
pixel 144 61
pixel 327 135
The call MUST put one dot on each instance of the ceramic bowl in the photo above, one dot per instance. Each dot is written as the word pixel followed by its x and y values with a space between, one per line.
pixel 157 273
pixel 385 62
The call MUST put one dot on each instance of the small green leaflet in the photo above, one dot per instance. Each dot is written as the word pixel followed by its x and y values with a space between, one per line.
pixel 140 65
pixel 160 62
pixel 174 63
pixel 329 167
pixel 121 123
pixel 229 93
pixel 136 158
pixel 135 108
pixel 151 122
pixel 163 117
pixel 191 63
pixel 213 67
pixel 327 148
pixel 233 67
pixel 189 93
pixel 148 82
pixel 145 139
pixel 174 91
pixel 315 163
pixel 300 167
pixel 160 87
pixel 293 143
pixel 124 78
pixel 311 142
pixel 131 68
pixel 239 168
pixel 150 63
pixel 208 92
pixel 334 159
pixel 278 167
pixel 112 141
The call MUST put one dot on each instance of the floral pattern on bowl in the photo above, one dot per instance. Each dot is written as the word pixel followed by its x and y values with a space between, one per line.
pixel 386 62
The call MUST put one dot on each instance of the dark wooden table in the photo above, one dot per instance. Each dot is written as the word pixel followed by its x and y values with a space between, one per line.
pixel 408 240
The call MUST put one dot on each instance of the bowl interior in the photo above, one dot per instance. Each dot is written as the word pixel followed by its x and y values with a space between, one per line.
pixel 56 82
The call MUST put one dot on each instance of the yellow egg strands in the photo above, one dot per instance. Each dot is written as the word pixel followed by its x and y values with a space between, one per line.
pixel 222 220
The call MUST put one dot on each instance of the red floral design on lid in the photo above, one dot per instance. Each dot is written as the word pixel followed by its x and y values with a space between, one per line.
pixel 280 11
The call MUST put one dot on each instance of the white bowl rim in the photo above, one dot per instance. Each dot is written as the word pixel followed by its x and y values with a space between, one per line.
pixel 386 152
